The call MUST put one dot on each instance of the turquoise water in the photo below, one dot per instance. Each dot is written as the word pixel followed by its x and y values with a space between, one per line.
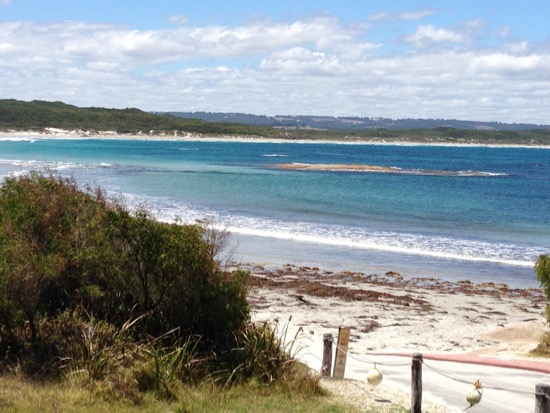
pixel 451 212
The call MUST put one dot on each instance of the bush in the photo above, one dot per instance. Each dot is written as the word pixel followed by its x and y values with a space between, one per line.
pixel 260 354
pixel 72 252
pixel 53 249
pixel 542 271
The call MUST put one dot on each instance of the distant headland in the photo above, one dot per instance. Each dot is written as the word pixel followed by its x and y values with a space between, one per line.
pixel 56 118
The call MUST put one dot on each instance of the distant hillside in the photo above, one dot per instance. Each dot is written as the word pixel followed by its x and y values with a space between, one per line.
pixel 38 115
pixel 351 123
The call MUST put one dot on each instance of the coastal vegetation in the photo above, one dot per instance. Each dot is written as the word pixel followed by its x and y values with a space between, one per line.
pixel 38 116
pixel 106 307
pixel 351 122
pixel 542 271
pixel 19 394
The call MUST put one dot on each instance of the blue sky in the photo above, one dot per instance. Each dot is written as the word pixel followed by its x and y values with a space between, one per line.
pixel 478 60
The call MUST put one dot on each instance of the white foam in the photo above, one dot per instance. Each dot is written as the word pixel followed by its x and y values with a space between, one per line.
pixel 353 237
pixel 31 165
pixel 404 244
pixel 275 155
pixel 17 139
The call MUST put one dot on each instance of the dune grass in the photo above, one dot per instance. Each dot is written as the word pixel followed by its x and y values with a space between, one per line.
pixel 21 395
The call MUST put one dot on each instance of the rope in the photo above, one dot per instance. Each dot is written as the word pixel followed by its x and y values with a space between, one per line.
pixel 460 380
pixel 397 364
pixel 448 375
pixel 366 361
pixel 435 370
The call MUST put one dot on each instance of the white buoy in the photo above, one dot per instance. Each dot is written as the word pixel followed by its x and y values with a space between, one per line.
pixel 474 397
pixel 374 376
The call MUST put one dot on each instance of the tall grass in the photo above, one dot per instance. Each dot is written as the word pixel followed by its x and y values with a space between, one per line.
pixel 111 372
pixel 20 395
pixel 267 357
pixel 101 349
pixel 165 368
pixel 116 365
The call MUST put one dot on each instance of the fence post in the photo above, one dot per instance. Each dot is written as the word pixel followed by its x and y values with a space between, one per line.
pixel 341 353
pixel 326 365
pixel 542 392
pixel 416 383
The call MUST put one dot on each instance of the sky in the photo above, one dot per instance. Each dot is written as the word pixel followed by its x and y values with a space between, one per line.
pixel 485 60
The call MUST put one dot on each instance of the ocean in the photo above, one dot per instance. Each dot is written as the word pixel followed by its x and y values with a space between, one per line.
pixel 449 212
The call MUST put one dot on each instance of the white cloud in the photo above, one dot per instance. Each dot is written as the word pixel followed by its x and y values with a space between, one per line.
pixel 315 66
pixel 517 47
pixel 6 47
pixel 304 62
pixel 375 17
pixel 415 14
pixel 78 41
pixel 177 19
pixel 427 35
pixel 506 64
pixel 405 15
pixel 504 31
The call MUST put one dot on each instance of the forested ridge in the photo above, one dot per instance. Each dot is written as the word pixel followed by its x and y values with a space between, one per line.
pixel 39 115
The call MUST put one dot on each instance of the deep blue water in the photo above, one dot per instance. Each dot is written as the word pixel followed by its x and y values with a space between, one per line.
pixel 487 218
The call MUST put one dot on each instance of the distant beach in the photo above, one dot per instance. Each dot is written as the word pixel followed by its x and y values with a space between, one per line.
pixel 186 137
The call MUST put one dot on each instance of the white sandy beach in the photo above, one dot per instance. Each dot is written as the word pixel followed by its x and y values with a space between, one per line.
pixel 49 133
pixel 390 314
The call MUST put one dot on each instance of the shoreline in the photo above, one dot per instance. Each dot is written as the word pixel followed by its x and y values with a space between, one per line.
pixel 276 252
pixel 194 137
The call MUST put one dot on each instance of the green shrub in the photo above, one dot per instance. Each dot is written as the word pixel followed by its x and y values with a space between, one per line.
pixel 542 271
pixel 112 298
pixel 173 277
pixel 52 249
pixel 264 354
pixel 66 251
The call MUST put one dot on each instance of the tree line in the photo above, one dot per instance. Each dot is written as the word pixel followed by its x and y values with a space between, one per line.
pixel 39 115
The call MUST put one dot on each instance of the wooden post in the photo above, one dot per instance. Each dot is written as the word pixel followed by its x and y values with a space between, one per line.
pixel 542 392
pixel 416 383
pixel 341 353
pixel 326 366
